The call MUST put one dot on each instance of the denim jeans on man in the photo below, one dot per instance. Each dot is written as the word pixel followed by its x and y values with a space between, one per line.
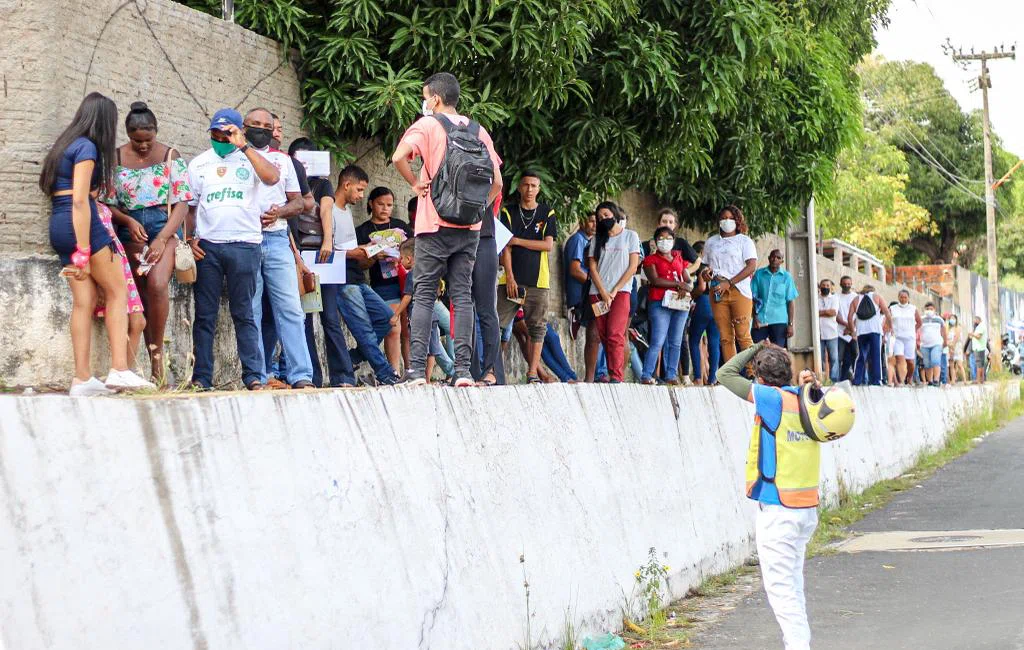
pixel 553 356
pixel 368 318
pixel 449 253
pixel 240 264
pixel 776 333
pixel 869 360
pixel 279 280
pixel 667 327
pixel 830 348
pixel 339 364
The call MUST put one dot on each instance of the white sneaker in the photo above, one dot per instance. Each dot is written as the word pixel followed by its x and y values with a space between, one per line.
pixel 90 388
pixel 126 380
pixel 464 382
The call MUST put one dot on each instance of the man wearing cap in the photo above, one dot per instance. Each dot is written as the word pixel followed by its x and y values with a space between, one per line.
pixel 277 281
pixel 225 234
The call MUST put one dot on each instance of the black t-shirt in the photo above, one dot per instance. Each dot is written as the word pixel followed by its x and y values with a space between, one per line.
pixel 531 267
pixel 300 171
pixel 320 187
pixel 383 274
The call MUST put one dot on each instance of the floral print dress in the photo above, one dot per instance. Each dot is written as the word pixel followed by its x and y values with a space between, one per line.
pixel 134 300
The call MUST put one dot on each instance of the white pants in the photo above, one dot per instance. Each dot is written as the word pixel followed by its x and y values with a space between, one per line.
pixel 782 536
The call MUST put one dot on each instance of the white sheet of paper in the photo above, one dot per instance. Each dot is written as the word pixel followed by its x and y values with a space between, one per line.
pixel 502 235
pixel 344 231
pixel 330 273
pixel 317 163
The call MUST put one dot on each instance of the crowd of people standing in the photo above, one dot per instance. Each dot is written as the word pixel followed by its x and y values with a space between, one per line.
pixel 431 297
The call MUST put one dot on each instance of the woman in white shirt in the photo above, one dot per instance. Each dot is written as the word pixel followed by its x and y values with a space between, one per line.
pixel 731 258
pixel 906 320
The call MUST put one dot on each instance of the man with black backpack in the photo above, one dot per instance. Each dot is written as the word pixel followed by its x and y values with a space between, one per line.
pixel 459 179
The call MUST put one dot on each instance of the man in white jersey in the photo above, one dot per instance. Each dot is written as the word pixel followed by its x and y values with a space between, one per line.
pixel 277 280
pixel 933 339
pixel 225 234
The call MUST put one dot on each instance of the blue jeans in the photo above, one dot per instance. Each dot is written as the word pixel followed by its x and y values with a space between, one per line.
pixel 339 364
pixel 554 357
pixel 667 327
pixel 635 363
pixel 240 263
pixel 931 356
pixel 869 360
pixel 279 281
pixel 153 220
pixel 440 355
pixel 444 324
pixel 368 318
pixel 830 348
pixel 702 321
pixel 944 370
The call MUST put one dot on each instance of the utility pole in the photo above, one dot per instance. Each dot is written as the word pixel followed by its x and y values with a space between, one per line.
pixel 227 10
pixel 984 83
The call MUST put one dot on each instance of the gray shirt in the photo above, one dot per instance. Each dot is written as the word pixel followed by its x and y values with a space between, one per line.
pixel 614 260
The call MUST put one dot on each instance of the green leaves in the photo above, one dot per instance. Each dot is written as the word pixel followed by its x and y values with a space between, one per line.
pixel 701 101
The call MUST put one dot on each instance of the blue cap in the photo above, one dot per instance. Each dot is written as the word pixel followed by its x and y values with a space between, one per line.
pixel 224 117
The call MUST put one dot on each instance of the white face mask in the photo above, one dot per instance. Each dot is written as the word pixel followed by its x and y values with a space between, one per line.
pixel 665 245
pixel 727 225
pixel 424 110
pixel 929 312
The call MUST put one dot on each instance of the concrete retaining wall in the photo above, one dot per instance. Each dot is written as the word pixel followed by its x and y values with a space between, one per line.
pixel 387 519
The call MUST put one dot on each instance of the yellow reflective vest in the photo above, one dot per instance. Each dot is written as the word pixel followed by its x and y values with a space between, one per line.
pixel 782 463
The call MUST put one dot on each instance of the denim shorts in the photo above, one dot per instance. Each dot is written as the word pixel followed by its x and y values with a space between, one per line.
pixel 931 356
pixel 62 232
pixel 153 219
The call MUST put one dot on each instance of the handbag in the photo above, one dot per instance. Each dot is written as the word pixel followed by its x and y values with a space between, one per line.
pixel 308 232
pixel 184 258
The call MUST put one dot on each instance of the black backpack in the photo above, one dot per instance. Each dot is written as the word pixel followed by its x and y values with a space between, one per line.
pixel 866 309
pixel 463 181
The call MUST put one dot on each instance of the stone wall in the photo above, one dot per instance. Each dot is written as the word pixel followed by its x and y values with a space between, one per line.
pixel 389 519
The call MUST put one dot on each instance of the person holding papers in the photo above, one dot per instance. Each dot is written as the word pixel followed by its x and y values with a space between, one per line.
pixel 366 315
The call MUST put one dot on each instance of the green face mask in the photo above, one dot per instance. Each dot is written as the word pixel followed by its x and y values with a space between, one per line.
pixel 222 149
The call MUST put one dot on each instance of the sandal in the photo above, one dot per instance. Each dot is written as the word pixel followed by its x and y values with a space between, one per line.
pixel 533 379
pixel 488 380
pixel 255 384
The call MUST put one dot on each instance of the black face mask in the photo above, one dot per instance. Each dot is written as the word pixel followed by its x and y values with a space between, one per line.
pixel 258 137
pixel 825 291
pixel 604 226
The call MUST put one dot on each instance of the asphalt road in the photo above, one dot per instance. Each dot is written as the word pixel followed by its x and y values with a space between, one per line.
pixel 935 600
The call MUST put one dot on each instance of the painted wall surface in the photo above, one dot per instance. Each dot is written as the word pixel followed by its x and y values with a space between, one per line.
pixel 386 519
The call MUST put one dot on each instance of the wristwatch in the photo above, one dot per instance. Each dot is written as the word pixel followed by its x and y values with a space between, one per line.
pixel 244 147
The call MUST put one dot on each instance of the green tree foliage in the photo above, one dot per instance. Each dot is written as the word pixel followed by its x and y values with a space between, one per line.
pixel 908 106
pixel 869 207
pixel 703 102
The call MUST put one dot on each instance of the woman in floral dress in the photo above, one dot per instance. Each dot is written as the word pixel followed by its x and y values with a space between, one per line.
pixel 149 176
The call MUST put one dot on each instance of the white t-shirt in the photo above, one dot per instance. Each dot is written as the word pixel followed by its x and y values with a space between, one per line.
pixel 225 195
pixel 270 195
pixel 931 331
pixel 872 325
pixel 728 255
pixel 344 228
pixel 904 323
pixel 828 328
pixel 845 300
pixel 615 259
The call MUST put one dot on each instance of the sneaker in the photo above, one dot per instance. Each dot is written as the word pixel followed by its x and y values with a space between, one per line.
pixel 389 380
pixel 89 388
pixel 126 380
pixel 412 379
pixel 464 382
pixel 649 381
pixel 302 384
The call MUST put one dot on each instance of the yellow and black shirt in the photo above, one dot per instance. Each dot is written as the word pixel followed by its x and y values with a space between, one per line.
pixel 531 267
